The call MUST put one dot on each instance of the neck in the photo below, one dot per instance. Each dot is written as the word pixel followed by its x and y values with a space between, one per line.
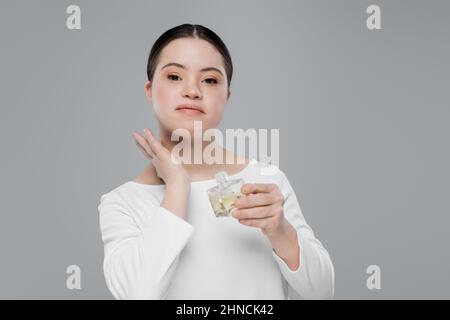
pixel 194 170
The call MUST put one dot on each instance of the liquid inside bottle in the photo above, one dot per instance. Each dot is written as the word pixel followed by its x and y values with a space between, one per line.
pixel 223 195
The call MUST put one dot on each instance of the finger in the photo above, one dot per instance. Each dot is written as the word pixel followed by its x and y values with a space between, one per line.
pixel 143 151
pixel 253 213
pixel 155 145
pixel 258 187
pixel 258 223
pixel 254 200
pixel 142 142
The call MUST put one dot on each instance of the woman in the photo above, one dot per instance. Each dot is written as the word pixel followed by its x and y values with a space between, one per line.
pixel 161 237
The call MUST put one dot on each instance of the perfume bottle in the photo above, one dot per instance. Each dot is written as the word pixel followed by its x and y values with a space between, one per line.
pixel 223 195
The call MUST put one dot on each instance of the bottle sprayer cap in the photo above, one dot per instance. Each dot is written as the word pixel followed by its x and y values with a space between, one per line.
pixel 221 177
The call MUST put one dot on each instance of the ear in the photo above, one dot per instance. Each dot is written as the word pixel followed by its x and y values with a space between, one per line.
pixel 229 94
pixel 148 90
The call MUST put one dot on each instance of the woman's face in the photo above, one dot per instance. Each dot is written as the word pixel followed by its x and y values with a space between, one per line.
pixel 191 72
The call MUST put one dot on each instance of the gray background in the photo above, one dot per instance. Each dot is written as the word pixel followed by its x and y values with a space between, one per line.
pixel 363 118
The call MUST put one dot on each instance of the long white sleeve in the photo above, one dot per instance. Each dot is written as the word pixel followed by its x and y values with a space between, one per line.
pixel 140 261
pixel 314 278
pixel 151 253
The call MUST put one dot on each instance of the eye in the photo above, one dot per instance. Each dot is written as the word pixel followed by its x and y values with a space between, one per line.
pixel 173 77
pixel 213 81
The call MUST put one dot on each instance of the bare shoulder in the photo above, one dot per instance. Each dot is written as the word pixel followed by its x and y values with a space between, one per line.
pixel 149 176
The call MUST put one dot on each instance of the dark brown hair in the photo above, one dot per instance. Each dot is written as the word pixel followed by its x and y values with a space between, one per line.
pixel 189 31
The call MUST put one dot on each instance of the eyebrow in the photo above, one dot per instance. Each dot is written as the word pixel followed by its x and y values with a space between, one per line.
pixel 183 67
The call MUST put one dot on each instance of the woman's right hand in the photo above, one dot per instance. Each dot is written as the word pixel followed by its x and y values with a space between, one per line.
pixel 173 174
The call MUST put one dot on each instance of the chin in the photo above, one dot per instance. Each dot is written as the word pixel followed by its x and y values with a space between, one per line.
pixel 185 125
pixel 188 125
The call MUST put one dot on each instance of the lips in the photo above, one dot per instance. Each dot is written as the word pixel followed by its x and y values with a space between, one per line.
pixel 192 107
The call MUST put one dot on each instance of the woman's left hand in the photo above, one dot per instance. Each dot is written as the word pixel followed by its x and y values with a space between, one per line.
pixel 261 206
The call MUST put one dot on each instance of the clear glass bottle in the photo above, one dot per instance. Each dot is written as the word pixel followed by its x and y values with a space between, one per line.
pixel 224 194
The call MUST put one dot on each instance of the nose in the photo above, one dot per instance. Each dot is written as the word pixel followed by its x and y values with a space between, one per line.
pixel 191 90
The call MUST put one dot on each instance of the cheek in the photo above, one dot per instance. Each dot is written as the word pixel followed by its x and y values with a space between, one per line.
pixel 215 115
pixel 217 103
pixel 163 98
